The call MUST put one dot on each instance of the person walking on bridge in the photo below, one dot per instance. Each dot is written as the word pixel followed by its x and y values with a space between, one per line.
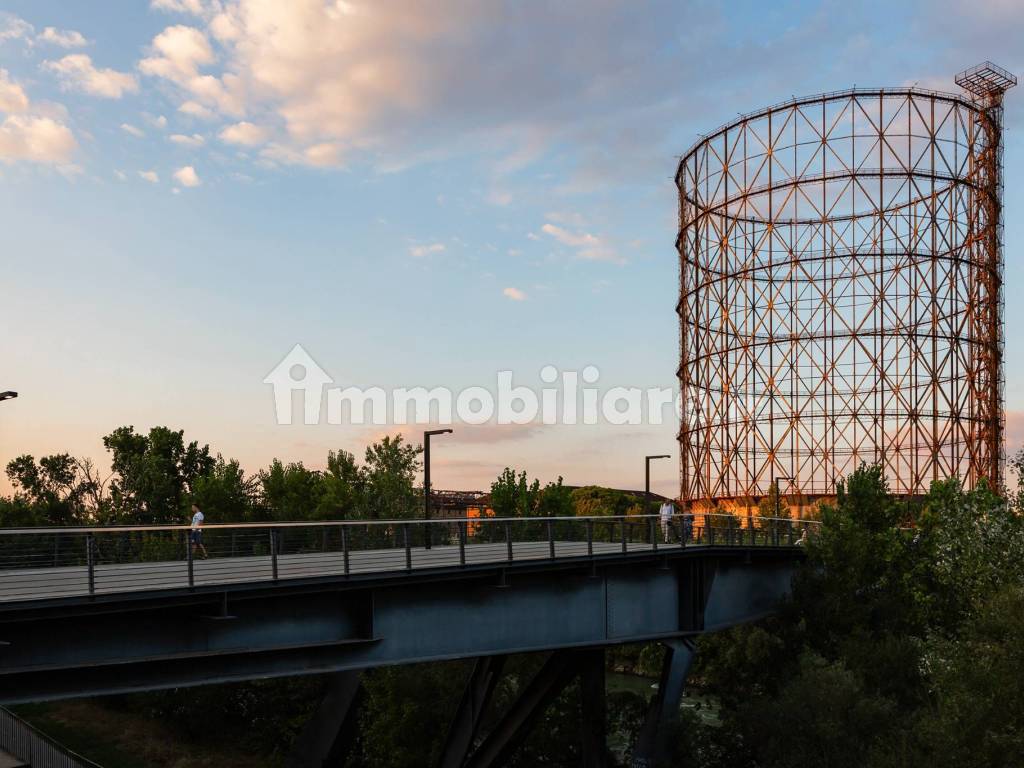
pixel 196 534
pixel 666 513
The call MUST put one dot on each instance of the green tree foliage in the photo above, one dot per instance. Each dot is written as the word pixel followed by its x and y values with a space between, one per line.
pixel 344 487
pixel 513 495
pixel 57 490
pixel 290 491
pixel 225 490
pixel 154 474
pixel 595 501
pixel 388 477
pixel 898 644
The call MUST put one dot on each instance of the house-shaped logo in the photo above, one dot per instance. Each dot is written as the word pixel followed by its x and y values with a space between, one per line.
pixel 298 372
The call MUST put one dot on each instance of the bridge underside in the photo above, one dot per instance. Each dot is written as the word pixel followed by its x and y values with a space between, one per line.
pixel 147 641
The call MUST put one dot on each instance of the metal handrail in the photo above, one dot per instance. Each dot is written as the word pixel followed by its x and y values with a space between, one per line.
pixel 28 743
pixel 72 562
pixel 106 529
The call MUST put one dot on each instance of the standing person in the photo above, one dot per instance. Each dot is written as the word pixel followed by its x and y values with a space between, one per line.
pixel 666 512
pixel 687 525
pixel 196 534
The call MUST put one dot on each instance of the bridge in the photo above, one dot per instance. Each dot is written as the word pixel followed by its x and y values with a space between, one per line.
pixel 93 611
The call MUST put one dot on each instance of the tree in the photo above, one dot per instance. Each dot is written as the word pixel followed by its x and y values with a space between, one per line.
pixel 58 490
pixel 344 488
pixel 155 474
pixel 389 476
pixel 290 491
pixel 596 501
pixel 225 494
pixel 513 495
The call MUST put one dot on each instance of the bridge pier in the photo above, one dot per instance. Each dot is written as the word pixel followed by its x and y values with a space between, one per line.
pixel 652 746
pixel 593 709
pixel 475 700
pixel 331 730
pixel 501 743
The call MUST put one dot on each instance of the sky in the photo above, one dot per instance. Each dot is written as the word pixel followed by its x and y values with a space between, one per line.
pixel 420 194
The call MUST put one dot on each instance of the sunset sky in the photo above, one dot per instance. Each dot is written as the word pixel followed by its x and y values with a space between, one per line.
pixel 417 193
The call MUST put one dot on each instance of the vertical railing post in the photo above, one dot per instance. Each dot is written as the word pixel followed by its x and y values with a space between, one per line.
pixel 191 561
pixel 551 540
pixel 653 527
pixel 681 532
pixel 344 546
pixel 590 537
pixel 408 546
pixel 789 531
pixel 90 559
pixel 710 525
pixel 508 539
pixel 273 553
pixel 625 547
pixel 462 542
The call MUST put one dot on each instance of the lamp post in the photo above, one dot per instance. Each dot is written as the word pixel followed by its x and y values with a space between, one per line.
pixel 426 479
pixel 647 479
pixel 7 396
pixel 778 494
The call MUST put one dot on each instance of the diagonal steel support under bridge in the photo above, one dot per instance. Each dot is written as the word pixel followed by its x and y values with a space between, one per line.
pixel 653 743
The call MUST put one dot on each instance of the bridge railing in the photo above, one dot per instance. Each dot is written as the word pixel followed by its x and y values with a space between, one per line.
pixel 54 562
pixel 35 749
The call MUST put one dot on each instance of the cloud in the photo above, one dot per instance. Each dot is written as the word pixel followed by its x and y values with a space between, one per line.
pixel 14 28
pixel 35 140
pixel 187 176
pixel 195 140
pixel 587 246
pixel 159 121
pixel 150 176
pixel 566 217
pixel 515 294
pixel 76 72
pixel 133 130
pixel 246 134
pixel 12 96
pixel 419 251
pixel 64 38
pixel 195 109
pixel 194 7
pixel 401 81
pixel 177 54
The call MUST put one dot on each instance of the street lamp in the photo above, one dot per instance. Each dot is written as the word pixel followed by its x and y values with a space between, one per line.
pixel 426 478
pixel 647 479
pixel 778 493
pixel 7 396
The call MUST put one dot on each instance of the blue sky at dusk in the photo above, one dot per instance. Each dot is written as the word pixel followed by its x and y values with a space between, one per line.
pixel 418 193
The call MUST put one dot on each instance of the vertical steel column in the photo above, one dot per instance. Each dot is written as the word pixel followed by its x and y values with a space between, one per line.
pixel 90 559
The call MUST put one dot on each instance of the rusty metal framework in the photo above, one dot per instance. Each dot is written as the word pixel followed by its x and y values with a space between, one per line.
pixel 840 300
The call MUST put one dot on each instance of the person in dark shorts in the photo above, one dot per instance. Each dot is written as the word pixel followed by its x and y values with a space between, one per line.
pixel 196 534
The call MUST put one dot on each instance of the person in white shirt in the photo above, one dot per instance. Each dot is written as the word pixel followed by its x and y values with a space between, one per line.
pixel 666 512
pixel 196 534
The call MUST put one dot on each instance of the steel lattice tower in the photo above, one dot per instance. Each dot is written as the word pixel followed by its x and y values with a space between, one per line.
pixel 841 293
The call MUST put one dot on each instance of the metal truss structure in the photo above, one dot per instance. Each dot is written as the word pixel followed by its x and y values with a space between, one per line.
pixel 841 275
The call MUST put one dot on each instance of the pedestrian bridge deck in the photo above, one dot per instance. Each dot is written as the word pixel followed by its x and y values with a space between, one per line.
pixel 50 564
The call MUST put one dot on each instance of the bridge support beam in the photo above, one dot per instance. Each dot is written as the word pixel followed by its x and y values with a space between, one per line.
pixel 593 709
pixel 475 699
pixel 653 743
pixel 331 730
pixel 502 742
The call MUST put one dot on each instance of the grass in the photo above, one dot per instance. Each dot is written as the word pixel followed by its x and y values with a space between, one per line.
pixel 118 739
